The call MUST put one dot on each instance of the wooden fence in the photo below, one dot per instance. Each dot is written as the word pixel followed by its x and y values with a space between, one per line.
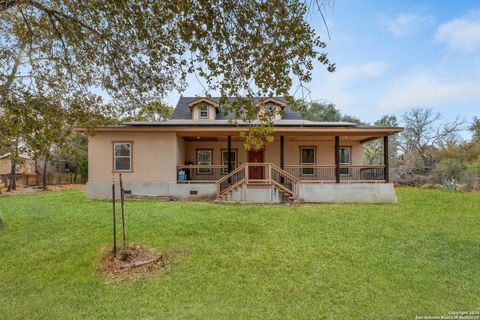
pixel 30 180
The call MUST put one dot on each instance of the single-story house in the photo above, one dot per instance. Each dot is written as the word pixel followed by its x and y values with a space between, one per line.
pixel 200 154
pixel 26 166
pixel 31 166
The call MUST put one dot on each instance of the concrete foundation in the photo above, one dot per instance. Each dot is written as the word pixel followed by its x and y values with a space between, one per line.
pixel 308 192
pixel 203 191
pixel 347 192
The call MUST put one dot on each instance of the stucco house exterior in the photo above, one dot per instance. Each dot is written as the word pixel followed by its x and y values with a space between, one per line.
pixel 200 154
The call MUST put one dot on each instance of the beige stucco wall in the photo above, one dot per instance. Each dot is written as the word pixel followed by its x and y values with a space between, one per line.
pixel 180 151
pixel 154 156
pixel 325 154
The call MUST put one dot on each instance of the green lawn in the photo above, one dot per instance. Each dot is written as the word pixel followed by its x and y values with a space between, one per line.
pixel 418 257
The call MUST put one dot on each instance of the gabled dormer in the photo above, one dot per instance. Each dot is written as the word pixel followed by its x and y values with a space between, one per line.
pixel 203 109
pixel 271 106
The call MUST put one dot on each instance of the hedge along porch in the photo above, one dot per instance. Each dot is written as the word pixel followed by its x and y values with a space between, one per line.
pixel 322 161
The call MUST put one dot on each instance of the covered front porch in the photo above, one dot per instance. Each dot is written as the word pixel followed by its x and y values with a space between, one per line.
pixel 310 159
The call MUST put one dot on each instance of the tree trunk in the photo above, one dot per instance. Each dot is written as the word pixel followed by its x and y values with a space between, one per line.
pixel 45 173
pixel 12 183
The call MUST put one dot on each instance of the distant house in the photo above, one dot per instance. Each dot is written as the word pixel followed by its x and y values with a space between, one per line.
pixel 28 165
pixel 200 154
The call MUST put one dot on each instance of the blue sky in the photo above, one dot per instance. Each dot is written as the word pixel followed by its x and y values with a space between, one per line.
pixel 395 55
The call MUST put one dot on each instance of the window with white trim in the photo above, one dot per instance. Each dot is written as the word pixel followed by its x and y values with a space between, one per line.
pixel 122 153
pixel 345 159
pixel 307 158
pixel 203 110
pixel 204 158
pixel 233 160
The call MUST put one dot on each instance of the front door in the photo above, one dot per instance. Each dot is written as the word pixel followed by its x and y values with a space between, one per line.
pixel 255 172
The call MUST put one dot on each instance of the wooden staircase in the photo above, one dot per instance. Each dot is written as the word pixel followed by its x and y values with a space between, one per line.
pixel 259 175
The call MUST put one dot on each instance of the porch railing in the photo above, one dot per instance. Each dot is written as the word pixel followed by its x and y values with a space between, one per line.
pixel 232 180
pixel 327 174
pixel 200 173
pixel 312 173
pixel 260 173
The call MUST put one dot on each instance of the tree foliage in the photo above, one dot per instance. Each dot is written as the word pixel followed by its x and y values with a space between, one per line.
pixel 327 112
pixel 153 111
pixel 14 121
pixel 40 125
pixel 138 51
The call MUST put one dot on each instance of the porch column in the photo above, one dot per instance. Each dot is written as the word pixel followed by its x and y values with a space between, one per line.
pixel 337 159
pixel 282 153
pixel 229 154
pixel 385 159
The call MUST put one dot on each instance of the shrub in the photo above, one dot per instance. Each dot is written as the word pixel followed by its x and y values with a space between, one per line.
pixel 449 169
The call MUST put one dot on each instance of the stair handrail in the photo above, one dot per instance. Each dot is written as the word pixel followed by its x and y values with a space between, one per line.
pixel 295 181
pixel 286 173
pixel 228 176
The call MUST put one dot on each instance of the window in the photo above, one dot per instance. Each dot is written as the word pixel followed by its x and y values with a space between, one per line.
pixel 233 160
pixel 270 109
pixel 307 158
pixel 204 158
pixel 345 159
pixel 203 111
pixel 122 153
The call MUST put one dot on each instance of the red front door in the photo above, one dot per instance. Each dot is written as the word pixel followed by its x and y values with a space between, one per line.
pixel 255 172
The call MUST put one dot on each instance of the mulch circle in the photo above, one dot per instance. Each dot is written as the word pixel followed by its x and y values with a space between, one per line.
pixel 135 263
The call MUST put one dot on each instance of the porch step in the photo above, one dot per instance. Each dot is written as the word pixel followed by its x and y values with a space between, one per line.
pixel 275 185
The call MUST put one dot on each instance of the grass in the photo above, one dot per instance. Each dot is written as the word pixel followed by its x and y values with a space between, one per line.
pixel 418 257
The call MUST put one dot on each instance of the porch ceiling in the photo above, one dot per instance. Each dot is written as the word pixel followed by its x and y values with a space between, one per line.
pixel 203 137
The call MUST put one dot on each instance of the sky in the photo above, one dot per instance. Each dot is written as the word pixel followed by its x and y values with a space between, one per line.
pixel 395 55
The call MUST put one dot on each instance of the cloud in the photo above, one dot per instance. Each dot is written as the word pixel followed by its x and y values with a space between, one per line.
pixel 347 75
pixel 427 90
pixel 461 34
pixel 406 24
pixel 346 86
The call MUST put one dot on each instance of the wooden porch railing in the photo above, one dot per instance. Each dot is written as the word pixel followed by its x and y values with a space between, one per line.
pixel 326 174
pixel 200 173
pixel 232 180
pixel 261 174
pixel 284 180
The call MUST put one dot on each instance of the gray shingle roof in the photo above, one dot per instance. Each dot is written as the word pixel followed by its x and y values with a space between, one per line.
pixel 182 111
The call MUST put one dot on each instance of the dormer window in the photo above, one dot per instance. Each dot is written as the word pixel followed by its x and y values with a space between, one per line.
pixel 271 108
pixel 204 111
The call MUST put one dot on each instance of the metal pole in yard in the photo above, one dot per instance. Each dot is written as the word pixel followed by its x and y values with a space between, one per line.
pixel 114 218
pixel 122 199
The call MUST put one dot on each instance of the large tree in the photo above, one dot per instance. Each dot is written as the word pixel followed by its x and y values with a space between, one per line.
pixel 13 125
pixel 424 132
pixel 135 52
